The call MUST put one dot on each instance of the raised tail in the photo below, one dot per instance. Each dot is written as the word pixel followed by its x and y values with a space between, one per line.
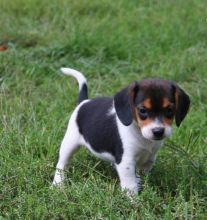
pixel 82 83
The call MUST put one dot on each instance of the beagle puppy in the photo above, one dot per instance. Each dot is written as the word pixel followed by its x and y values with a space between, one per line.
pixel 127 129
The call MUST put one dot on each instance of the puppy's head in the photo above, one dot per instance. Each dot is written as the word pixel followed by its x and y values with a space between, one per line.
pixel 152 104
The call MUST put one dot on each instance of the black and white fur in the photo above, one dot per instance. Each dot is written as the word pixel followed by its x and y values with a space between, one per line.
pixel 96 125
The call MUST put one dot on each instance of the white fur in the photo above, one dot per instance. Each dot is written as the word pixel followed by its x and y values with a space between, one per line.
pixel 147 129
pixel 70 144
pixel 111 111
pixel 104 155
pixel 138 147
pixel 78 75
pixel 136 150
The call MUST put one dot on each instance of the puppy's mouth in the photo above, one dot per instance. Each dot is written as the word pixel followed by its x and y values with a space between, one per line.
pixel 150 137
pixel 158 138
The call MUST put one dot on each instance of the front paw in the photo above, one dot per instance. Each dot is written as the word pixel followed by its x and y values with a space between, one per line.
pixel 132 187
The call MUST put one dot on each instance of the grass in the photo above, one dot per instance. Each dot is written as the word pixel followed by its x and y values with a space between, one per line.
pixel 112 43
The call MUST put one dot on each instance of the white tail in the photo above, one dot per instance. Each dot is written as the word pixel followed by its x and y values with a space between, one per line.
pixel 82 82
pixel 76 74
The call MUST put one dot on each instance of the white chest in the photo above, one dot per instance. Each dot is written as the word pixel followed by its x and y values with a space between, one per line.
pixel 135 146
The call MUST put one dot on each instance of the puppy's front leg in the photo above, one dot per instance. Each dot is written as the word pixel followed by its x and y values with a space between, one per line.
pixel 147 166
pixel 127 175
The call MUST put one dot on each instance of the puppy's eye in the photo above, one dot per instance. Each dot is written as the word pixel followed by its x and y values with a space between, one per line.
pixel 143 113
pixel 169 112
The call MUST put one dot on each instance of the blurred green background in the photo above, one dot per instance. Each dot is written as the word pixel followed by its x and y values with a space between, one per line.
pixel 112 43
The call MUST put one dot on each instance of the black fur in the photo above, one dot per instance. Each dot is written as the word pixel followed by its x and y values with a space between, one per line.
pixel 123 102
pixel 156 91
pixel 98 128
pixel 83 94
pixel 183 106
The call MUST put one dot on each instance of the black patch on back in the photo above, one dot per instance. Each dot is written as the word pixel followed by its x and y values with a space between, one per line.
pixel 100 129
pixel 83 94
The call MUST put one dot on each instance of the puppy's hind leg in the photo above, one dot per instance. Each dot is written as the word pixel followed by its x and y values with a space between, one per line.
pixel 69 146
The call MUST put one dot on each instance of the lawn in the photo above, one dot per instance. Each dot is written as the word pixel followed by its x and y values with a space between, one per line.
pixel 112 43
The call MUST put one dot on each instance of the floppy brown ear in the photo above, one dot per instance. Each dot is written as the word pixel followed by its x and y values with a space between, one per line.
pixel 182 101
pixel 123 102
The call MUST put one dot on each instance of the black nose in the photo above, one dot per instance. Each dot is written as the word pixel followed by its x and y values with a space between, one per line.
pixel 158 132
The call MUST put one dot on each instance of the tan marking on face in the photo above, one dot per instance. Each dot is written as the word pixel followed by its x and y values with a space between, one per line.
pixel 167 121
pixel 165 103
pixel 176 99
pixel 145 122
pixel 135 113
pixel 141 123
pixel 147 103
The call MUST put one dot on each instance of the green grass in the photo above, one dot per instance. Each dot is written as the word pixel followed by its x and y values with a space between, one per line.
pixel 112 43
